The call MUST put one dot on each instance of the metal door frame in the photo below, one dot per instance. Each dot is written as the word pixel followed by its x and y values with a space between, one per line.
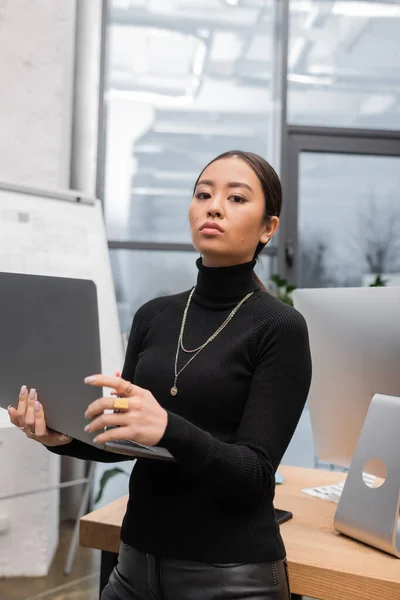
pixel 300 139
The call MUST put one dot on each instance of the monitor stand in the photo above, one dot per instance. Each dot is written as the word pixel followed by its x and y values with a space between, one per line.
pixel 371 515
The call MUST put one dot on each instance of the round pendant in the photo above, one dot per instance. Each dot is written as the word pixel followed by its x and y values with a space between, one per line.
pixel 174 391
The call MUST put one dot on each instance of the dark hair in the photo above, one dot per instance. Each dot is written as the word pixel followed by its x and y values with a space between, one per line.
pixel 270 184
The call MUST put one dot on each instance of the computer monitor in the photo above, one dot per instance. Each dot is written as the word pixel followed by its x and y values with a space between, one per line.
pixel 355 348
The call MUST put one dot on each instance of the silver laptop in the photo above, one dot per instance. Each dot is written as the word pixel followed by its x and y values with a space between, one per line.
pixel 49 340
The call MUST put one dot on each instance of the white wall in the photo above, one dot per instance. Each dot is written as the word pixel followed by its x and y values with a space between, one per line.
pixel 36 74
pixel 29 524
pixel 36 77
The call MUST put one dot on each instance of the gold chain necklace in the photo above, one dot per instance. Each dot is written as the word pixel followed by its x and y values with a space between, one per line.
pixel 174 389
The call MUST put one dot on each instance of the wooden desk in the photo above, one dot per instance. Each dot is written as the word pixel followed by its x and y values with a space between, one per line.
pixel 322 563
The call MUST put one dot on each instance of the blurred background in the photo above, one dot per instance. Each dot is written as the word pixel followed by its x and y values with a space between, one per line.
pixel 185 81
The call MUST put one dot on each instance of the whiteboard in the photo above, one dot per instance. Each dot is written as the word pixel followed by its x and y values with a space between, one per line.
pixel 61 234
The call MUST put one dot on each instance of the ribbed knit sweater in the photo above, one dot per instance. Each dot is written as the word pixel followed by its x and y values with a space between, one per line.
pixel 238 405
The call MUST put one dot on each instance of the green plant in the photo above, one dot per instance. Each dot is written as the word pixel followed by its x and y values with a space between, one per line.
pixel 107 475
pixel 378 282
pixel 283 291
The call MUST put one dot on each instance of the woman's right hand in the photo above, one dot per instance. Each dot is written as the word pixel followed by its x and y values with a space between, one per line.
pixel 29 417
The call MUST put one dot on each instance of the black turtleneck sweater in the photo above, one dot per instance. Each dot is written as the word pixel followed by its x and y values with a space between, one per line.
pixel 237 408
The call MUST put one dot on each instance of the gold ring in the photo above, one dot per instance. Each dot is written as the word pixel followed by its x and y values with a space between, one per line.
pixel 121 404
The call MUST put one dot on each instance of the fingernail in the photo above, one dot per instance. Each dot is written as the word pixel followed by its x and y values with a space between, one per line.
pixel 32 394
pixel 90 379
pixel 8 408
pixel 95 439
pixel 87 427
pixel 37 406
pixel 23 390
pixel 86 414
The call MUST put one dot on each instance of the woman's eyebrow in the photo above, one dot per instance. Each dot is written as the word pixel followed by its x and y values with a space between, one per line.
pixel 239 184
pixel 205 182
pixel 230 184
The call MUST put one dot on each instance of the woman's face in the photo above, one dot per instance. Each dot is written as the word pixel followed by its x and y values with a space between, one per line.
pixel 229 195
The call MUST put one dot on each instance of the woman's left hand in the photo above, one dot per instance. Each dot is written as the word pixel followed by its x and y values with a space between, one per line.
pixel 144 421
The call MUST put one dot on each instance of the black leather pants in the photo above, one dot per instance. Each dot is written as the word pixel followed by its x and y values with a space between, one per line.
pixel 140 576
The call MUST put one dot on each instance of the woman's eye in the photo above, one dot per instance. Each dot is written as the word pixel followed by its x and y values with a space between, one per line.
pixel 238 199
pixel 203 196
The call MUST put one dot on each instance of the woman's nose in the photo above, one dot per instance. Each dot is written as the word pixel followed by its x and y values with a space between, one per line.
pixel 213 212
pixel 215 208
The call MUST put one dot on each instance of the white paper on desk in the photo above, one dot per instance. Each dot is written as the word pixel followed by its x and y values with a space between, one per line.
pixel 332 493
